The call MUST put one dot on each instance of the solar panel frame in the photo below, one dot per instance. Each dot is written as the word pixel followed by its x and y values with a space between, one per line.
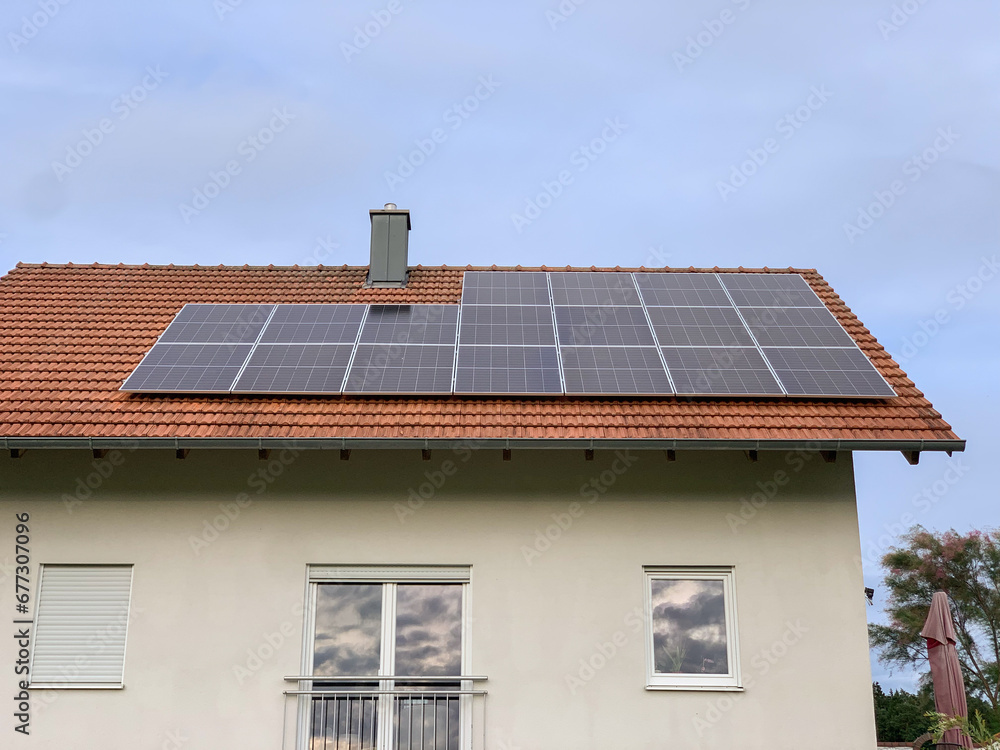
pixel 593 289
pixel 699 326
pixel 797 365
pixel 314 324
pixel 174 368
pixel 505 288
pixel 598 371
pixel 198 323
pixel 507 325
pixel 406 369
pixel 734 371
pixel 593 325
pixel 410 324
pixel 303 369
pixel 533 369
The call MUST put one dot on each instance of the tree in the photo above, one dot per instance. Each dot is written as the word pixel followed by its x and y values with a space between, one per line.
pixel 967 568
pixel 901 716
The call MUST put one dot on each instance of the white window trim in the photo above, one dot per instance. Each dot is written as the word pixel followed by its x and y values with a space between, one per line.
pixel 384 574
pixel 118 685
pixel 728 682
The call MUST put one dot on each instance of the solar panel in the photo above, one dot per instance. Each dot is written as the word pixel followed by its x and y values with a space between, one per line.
pixel 770 290
pixel 593 288
pixel 507 369
pixel 217 324
pixel 410 324
pixel 295 368
pixel 505 288
pixel 699 326
pixel 506 325
pixel 393 368
pixel 827 372
pixel 610 370
pixel 314 324
pixel 795 326
pixel 720 370
pixel 603 326
pixel 681 290
pixel 191 368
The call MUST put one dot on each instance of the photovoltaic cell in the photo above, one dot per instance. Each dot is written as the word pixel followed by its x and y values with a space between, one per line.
pixel 681 290
pixel 507 369
pixel 507 325
pixel 505 288
pixel 827 372
pixel 720 370
pixel 699 326
pixel 314 324
pixel 217 324
pixel 410 324
pixel 795 326
pixel 593 288
pixel 192 368
pixel 295 368
pixel 603 326
pixel 770 290
pixel 624 370
pixel 382 368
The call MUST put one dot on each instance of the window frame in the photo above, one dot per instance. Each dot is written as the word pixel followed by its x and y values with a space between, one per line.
pixel 384 575
pixel 34 684
pixel 732 681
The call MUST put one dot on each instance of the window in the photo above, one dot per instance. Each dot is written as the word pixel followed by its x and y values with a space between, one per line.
pixel 691 638
pixel 80 626
pixel 386 655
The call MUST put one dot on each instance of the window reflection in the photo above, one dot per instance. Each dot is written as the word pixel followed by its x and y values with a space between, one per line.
pixel 429 630
pixel 348 629
pixel 689 627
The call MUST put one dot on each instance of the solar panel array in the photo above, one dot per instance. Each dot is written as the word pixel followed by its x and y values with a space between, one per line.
pixel 528 333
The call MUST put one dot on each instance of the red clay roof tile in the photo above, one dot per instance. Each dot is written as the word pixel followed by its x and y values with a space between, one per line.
pixel 72 333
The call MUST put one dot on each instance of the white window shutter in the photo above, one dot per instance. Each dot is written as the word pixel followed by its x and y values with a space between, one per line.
pixel 80 626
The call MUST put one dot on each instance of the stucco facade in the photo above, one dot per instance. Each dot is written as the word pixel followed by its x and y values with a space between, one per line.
pixel 221 542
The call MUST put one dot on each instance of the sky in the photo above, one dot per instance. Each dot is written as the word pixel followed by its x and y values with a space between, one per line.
pixel 858 138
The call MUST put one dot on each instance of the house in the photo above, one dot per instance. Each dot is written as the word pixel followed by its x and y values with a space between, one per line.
pixel 245 544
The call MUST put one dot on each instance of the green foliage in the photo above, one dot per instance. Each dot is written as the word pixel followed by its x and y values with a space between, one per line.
pixel 901 716
pixel 967 568
pixel 975 729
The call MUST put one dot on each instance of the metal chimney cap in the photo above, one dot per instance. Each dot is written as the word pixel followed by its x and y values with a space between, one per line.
pixel 389 206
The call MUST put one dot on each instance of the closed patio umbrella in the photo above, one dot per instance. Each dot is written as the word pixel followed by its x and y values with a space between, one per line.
pixel 949 688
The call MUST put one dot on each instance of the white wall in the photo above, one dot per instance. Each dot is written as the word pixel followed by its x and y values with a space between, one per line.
pixel 196 614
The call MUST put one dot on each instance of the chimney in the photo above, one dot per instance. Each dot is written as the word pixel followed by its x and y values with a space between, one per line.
pixel 390 232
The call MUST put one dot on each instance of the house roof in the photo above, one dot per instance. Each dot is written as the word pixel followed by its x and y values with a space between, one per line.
pixel 72 333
